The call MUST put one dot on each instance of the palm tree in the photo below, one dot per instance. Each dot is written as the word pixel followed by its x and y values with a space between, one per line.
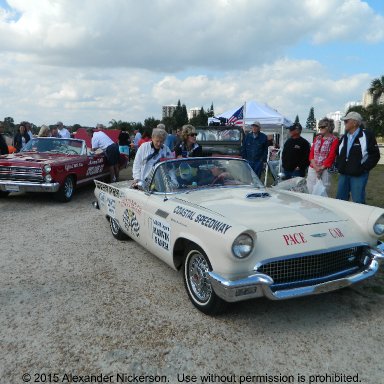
pixel 377 89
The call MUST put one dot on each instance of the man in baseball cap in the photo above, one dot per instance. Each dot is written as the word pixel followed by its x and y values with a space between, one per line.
pixel 358 153
pixel 255 148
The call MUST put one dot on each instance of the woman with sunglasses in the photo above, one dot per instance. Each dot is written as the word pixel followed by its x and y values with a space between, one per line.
pixel 322 155
pixel 188 146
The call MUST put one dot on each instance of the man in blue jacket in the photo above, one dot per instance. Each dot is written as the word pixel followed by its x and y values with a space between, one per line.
pixel 358 153
pixel 255 148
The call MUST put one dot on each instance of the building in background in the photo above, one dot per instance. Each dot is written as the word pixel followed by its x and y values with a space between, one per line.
pixel 336 117
pixel 193 112
pixel 168 110
pixel 367 99
pixel 352 104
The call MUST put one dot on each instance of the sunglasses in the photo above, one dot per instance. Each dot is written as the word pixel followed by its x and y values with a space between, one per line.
pixel 323 126
pixel 193 134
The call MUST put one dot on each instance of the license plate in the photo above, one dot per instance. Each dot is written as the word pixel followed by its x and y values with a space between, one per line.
pixel 12 188
pixel 331 286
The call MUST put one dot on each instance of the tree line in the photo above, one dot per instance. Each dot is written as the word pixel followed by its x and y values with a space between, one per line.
pixel 178 119
pixel 373 116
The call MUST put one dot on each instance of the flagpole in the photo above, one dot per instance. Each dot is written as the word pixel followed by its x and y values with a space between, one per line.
pixel 244 114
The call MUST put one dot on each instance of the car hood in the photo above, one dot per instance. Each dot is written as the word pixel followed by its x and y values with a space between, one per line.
pixel 32 159
pixel 260 209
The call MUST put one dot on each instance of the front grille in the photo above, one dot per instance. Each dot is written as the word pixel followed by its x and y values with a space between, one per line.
pixel 305 270
pixel 32 174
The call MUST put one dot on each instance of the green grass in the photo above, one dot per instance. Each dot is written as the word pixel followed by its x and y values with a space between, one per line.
pixel 374 190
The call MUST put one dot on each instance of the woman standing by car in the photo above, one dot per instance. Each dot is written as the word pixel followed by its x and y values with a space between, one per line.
pixel 21 138
pixel 188 146
pixel 322 155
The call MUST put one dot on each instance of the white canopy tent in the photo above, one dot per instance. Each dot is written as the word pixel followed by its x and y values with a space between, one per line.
pixel 261 112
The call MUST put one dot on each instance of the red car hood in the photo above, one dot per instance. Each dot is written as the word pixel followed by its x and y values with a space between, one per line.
pixel 33 159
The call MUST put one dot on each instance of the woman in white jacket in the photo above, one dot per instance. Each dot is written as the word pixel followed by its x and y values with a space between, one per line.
pixel 150 154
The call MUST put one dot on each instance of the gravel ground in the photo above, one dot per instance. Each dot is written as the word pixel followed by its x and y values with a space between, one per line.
pixel 76 301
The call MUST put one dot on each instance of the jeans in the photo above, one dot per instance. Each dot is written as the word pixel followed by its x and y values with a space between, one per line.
pixel 354 185
pixel 257 167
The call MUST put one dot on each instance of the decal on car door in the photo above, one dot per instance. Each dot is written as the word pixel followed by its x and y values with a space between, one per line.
pixel 131 223
pixel 161 233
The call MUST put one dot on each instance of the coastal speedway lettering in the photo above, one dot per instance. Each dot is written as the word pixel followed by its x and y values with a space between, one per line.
pixel 206 221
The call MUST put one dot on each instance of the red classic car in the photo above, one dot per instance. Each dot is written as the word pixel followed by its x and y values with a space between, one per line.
pixel 48 164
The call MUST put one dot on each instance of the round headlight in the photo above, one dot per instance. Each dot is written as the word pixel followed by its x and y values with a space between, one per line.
pixel 47 168
pixel 378 227
pixel 48 178
pixel 242 246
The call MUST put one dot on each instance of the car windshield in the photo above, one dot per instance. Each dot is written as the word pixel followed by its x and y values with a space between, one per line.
pixel 201 173
pixel 54 145
pixel 218 134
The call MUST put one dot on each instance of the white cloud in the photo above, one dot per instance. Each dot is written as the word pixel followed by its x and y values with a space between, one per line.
pixel 176 34
pixel 97 60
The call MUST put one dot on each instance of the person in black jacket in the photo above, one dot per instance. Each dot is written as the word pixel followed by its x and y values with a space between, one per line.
pixel 295 156
pixel 21 138
pixel 358 153
pixel 188 146
pixel 3 144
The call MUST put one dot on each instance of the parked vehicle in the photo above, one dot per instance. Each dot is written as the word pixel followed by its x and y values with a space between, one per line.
pixel 220 140
pixel 55 165
pixel 235 239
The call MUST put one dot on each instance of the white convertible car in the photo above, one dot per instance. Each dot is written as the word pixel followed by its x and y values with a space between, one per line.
pixel 236 240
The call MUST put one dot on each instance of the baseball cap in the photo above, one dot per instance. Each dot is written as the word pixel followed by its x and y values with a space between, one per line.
pixel 353 116
pixel 257 123
pixel 295 126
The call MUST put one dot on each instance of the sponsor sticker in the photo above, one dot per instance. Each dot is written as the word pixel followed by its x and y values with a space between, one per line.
pixel 131 223
pixel 111 206
pixel 131 204
pixel 161 233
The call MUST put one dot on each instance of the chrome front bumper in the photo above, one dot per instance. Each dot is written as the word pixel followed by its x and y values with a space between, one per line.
pixel 258 284
pixel 25 186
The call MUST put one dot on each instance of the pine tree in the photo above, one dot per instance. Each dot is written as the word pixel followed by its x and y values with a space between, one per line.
pixel 311 121
pixel 297 120
pixel 210 111
pixel 180 114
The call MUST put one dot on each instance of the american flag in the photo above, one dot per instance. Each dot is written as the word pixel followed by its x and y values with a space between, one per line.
pixel 237 117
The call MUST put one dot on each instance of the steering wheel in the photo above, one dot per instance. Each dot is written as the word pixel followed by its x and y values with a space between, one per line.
pixel 185 172
pixel 218 179
pixel 70 151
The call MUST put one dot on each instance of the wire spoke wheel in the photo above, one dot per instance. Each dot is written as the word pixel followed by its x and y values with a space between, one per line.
pixel 197 281
pixel 198 277
pixel 68 187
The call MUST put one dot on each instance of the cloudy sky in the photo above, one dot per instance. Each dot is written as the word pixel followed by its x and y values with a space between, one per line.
pixel 91 61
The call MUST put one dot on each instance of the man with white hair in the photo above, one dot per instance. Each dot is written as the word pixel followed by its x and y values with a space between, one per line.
pixel 358 153
pixel 62 131
pixel 149 154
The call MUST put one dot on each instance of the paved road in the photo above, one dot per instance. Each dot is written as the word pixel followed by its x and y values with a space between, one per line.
pixel 76 301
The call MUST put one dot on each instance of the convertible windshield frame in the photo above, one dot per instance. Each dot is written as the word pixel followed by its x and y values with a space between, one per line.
pixel 201 173
pixel 56 145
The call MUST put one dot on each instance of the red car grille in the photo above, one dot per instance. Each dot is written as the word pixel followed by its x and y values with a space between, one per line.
pixel 21 174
